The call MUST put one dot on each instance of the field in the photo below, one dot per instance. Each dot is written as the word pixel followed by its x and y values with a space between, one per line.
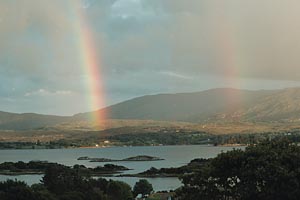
pixel 147 132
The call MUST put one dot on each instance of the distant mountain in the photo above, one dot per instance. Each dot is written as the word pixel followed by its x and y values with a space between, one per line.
pixel 215 104
pixel 25 121
pixel 189 107
pixel 283 105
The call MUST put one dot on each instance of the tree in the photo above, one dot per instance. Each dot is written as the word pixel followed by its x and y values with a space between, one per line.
pixel 65 183
pixel 118 190
pixel 72 196
pixel 60 179
pixel 267 171
pixel 15 190
pixel 41 192
pixel 142 187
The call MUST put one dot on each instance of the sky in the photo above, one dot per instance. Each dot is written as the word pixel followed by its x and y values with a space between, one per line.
pixel 142 47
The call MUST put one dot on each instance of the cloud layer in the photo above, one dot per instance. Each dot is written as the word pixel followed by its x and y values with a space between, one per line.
pixel 145 47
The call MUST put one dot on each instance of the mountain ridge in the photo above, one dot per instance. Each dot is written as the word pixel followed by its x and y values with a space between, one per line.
pixel 214 105
pixel 188 107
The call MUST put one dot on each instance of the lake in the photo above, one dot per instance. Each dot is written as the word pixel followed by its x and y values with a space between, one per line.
pixel 174 156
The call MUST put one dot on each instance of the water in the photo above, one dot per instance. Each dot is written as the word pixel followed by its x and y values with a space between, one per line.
pixel 174 156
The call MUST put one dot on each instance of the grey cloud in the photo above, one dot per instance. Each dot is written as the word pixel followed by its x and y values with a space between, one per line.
pixel 259 39
pixel 146 47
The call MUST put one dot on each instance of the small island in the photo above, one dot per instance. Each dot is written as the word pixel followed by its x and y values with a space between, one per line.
pixel 153 172
pixel 142 158
pixel 95 159
pixel 39 167
pixel 130 159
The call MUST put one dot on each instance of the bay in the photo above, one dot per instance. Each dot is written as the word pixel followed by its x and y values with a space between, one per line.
pixel 174 156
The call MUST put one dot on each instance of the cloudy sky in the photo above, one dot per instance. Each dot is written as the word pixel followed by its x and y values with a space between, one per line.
pixel 144 47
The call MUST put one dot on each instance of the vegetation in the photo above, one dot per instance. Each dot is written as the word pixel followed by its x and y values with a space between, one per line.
pixel 162 196
pixel 196 138
pixel 193 166
pixel 63 183
pixel 154 136
pixel 142 187
pixel 133 159
pixel 40 167
pixel 58 144
pixel 267 171
pixel 170 138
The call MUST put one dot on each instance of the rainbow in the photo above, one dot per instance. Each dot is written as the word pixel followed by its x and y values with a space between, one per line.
pixel 90 63
pixel 229 53
pixel 230 59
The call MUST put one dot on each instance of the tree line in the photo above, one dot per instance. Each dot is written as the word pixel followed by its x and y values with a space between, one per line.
pixel 269 170
pixel 64 183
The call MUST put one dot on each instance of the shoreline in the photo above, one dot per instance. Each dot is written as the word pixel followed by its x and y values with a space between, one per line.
pixel 116 175
pixel 125 146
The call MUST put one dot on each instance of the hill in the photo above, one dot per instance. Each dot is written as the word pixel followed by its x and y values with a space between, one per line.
pixel 14 121
pixel 283 105
pixel 211 105
pixel 206 107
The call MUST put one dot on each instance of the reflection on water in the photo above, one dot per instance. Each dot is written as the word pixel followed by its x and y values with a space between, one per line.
pixel 174 156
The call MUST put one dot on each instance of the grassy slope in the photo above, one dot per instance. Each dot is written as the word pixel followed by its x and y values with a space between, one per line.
pixel 83 130
pixel 218 111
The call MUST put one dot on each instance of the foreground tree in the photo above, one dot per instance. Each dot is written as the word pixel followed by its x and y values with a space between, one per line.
pixel 66 183
pixel 142 187
pixel 15 190
pixel 268 171
pixel 118 190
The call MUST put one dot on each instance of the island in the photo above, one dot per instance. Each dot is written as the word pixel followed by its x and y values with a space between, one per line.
pixel 189 168
pixel 142 158
pixel 39 167
pixel 130 159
